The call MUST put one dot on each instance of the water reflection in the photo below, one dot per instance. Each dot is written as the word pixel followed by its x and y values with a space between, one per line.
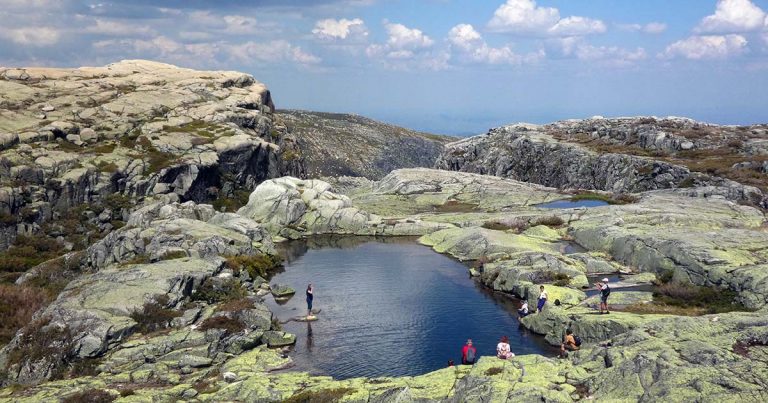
pixel 390 307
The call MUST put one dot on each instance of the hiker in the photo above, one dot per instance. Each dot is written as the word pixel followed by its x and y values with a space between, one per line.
pixel 450 363
pixel 523 311
pixel 542 298
pixel 503 350
pixel 310 297
pixel 605 291
pixel 468 353
pixel 570 343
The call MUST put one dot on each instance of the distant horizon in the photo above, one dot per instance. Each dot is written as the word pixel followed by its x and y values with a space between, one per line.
pixel 454 67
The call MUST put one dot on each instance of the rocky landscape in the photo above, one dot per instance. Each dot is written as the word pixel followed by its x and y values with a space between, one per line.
pixel 335 144
pixel 147 281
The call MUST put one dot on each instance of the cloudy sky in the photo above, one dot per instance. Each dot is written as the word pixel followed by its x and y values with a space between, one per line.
pixel 450 66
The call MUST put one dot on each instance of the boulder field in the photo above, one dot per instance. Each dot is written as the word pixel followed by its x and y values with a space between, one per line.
pixel 200 271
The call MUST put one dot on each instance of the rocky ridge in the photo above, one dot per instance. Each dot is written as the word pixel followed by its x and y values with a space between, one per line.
pixel 335 144
pixel 624 155
pixel 129 130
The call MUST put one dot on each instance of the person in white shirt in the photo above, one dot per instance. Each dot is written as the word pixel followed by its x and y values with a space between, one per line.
pixel 503 350
pixel 523 311
pixel 542 298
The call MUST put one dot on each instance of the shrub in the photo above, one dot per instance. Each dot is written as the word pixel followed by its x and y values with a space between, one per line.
pixel 687 295
pixel 549 221
pixel 40 340
pixel 205 386
pixel 230 325
pixel 17 305
pixel 8 219
pixel 90 396
pixel 231 204
pixel 235 305
pixel 118 202
pixel 29 251
pixel 688 182
pixel 154 315
pixel 256 265
pixel 171 255
pixel 213 291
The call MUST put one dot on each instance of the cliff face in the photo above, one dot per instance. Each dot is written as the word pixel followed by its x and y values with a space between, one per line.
pixel 133 129
pixel 339 144
pixel 622 155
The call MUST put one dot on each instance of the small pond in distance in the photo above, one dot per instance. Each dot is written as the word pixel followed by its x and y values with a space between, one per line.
pixel 390 307
pixel 572 204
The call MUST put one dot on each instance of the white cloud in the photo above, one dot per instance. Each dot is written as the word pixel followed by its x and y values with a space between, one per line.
pixel 272 52
pixel 470 46
pixel 116 28
pixel 406 49
pixel 340 29
pixel 404 38
pixel 577 26
pixel 31 36
pixel 525 17
pixel 707 47
pixel 733 16
pixel 228 24
pixel 577 47
pixel 650 28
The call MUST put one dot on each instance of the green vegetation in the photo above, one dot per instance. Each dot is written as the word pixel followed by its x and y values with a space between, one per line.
pixel 27 252
pixel 235 305
pixel 550 221
pixel 89 396
pixel 154 315
pixel 290 155
pixel 213 291
pixel 256 265
pixel 17 305
pixel 454 206
pixel 685 299
pixel 319 396
pixel 231 204
pixel 42 340
pixel 230 325
pixel 107 167
pixel 171 255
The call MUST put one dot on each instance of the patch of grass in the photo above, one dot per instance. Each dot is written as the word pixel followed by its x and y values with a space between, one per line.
pixel 138 259
pixel 319 396
pixel 610 199
pixel 256 265
pixel 493 371
pixel 688 182
pixel 89 396
pixel 205 386
pixel 8 219
pixel 290 155
pixel 104 148
pixel 41 340
pixel 230 325
pixel 118 202
pixel 678 298
pixel 29 251
pixel 107 167
pixel 154 315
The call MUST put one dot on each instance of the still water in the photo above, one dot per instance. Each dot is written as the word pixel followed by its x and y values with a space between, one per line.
pixel 390 307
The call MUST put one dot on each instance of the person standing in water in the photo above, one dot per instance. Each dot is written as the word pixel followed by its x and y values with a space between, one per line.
pixel 310 298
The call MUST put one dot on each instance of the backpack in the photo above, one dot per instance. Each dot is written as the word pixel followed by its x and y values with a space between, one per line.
pixel 577 339
pixel 470 355
pixel 607 291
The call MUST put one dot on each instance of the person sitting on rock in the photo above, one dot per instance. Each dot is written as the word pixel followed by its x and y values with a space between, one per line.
pixel 468 353
pixel 503 350
pixel 542 299
pixel 523 311
pixel 569 344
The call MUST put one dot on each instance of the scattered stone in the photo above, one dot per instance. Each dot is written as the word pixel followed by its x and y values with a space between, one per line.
pixel 278 338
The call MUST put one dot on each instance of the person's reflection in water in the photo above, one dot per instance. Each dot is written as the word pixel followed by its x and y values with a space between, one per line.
pixel 310 342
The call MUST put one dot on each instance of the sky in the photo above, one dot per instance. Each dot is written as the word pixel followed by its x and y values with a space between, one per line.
pixel 445 66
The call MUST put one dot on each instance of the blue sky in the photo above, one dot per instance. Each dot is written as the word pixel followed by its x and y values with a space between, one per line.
pixel 448 66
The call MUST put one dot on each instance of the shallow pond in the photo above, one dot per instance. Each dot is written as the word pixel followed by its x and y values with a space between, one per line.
pixel 390 307
pixel 563 204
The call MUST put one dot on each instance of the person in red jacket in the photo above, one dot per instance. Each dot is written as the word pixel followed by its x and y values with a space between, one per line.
pixel 468 353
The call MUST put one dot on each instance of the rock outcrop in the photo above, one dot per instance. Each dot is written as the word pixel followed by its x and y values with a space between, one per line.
pixel 74 137
pixel 335 144
pixel 619 155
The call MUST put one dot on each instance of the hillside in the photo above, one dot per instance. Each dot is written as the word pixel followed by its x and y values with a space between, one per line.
pixel 335 144
pixel 623 155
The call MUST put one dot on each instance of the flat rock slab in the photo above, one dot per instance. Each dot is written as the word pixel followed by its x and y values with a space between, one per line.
pixel 275 338
pixel 282 291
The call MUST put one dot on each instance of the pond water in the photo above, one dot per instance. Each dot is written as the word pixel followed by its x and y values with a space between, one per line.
pixel 562 204
pixel 390 307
